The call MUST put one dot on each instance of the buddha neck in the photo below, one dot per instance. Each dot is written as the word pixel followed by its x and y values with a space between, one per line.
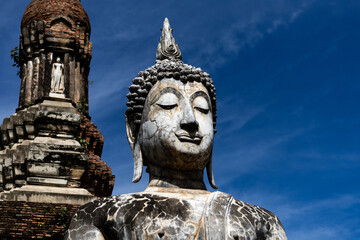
pixel 173 178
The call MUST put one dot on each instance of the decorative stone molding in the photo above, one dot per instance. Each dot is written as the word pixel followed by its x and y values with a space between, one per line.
pixel 41 146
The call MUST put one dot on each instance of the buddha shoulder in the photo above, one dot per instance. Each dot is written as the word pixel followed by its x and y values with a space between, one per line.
pixel 253 222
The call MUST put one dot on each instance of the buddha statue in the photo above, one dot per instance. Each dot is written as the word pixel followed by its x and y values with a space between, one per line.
pixel 170 123
pixel 57 77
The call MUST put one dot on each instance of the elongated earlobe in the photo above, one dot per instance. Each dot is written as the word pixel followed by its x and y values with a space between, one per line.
pixel 136 150
pixel 210 173
pixel 138 162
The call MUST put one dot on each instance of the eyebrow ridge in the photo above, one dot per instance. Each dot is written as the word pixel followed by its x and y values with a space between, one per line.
pixel 203 94
pixel 167 90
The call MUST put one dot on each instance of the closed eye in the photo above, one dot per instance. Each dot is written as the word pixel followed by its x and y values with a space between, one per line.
pixel 167 107
pixel 203 110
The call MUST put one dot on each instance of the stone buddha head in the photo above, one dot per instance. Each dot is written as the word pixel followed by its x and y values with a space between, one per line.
pixel 171 117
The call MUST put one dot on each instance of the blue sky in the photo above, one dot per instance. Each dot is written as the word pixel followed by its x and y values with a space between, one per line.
pixel 288 82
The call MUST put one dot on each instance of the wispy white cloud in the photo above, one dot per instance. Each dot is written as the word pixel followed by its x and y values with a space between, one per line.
pixel 284 23
pixel 346 158
pixel 234 113
pixel 242 159
pixel 328 223
pixel 110 86
pixel 251 26
pixel 293 210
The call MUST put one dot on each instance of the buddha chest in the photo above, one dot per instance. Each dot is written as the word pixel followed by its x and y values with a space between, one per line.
pixel 179 216
pixel 169 215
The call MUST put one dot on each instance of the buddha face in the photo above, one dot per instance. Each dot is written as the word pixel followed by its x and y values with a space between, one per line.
pixel 177 127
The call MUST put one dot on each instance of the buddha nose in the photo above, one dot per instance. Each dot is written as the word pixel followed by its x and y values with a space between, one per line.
pixel 189 122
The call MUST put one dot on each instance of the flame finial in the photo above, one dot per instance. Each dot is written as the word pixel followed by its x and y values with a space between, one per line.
pixel 167 48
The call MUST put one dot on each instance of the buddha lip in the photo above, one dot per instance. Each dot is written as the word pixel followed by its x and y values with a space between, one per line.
pixel 187 138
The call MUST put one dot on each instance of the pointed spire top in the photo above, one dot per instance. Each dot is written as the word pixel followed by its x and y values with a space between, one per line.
pixel 167 48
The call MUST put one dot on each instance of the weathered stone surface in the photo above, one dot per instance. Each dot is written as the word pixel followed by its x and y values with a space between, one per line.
pixel 49 152
pixel 170 127
pixel 48 194
pixel 43 169
pixel 47 181
pixel 20 158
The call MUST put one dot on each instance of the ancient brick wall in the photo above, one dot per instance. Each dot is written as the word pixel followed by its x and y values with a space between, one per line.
pixel 98 178
pixel 26 220
pixel 46 10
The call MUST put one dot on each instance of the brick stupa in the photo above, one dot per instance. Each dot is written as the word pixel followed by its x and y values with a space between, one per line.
pixel 49 149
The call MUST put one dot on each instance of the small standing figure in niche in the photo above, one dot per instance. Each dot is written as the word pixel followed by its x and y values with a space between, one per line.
pixel 57 77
